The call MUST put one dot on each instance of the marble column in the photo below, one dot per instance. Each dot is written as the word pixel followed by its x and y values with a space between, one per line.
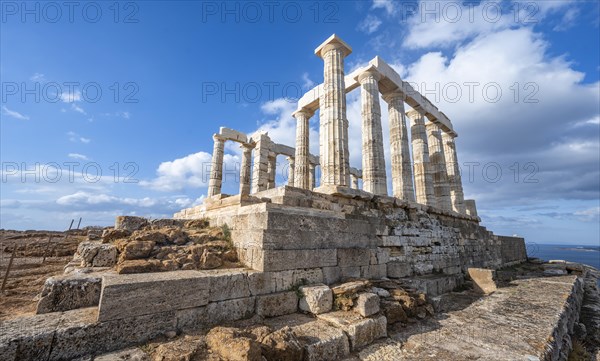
pixel 402 174
pixel 422 169
pixel 245 169
pixel 452 168
pixel 291 172
pixel 354 180
pixel 312 176
pixel 471 208
pixel 333 130
pixel 271 170
pixel 441 186
pixel 301 171
pixel 260 177
pixel 216 168
pixel 373 161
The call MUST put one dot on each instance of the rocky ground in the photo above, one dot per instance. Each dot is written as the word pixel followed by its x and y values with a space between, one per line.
pixel 29 270
pixel 139 245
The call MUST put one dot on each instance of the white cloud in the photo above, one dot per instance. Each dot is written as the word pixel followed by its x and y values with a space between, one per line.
pixel 74 137
pixel 307 82
pixel 370 24
pixel 388 5
pixel 38 77
pixel 589 215
pixel 445 25
pixel 78 156
pixel 14 114
pixel 191 171
pixel 78 109
pixel 70 96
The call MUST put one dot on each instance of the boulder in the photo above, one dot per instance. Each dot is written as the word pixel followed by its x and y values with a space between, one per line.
pixel 183 349
pixel 367 304
pixel 282 345
pixel 316 299
pixel 231 344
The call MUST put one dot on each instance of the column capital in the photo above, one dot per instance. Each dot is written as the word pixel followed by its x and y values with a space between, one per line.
pixel 303 111
pixel 448 137
pixel 394 95
pixel 218 138
pixel 371 71
pixel 291 159
pixel 333 42
pixel 415 113
pixel 246 147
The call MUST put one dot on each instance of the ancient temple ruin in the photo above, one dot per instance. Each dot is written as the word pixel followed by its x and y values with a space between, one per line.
pixel 424 226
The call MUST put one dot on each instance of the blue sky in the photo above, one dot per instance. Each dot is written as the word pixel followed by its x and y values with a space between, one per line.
pixel 135 91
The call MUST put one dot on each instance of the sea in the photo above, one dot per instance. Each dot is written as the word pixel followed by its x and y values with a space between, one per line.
pixel 589 255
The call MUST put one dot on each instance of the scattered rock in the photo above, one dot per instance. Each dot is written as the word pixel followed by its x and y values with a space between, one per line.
pixel 96 254
pixel 483 280
pixel 110 235
pixel 136 249
pixel 367 304
pixel 135 266
pixel 282 345
pixel 393 311
pixel 210 260
pixel 316 299
pixel 232 345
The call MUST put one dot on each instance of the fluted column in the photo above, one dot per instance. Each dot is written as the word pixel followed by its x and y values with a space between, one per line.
pixel 245 169
pixel 312 176
pixel 441 186
pixel 260 177
pixel 422 172
pixel 402 175
pixel 272 168
pixel 333 130
pixel 470 207
pixel 452 168
pixel 291 172
pixel 354 180
pixel 301 171
pixel 373 161
pixel 216 168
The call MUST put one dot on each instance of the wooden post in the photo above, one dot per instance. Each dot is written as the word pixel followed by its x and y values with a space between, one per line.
pixel 71 226
pixel 79 224
pixel 12 257
pixel 47 247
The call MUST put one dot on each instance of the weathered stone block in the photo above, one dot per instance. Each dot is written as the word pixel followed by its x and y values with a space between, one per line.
pixel 348 257
pixel 367 304
pixel 350 272
pixel 130 223
pixel 331 275
pixel 483 279
pixel 63 293
pixel 96 254
pixel 361 331
pixel 228 284
pixel 308 276
pixel 215 313
pixel 399 269
pixel 277 304
pixel 142 294
pixel 280 260
pixel 316 299
pixel 261 283
pixel 374 271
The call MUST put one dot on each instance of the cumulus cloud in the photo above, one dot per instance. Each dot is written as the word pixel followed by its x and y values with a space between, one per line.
pixel 191 171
